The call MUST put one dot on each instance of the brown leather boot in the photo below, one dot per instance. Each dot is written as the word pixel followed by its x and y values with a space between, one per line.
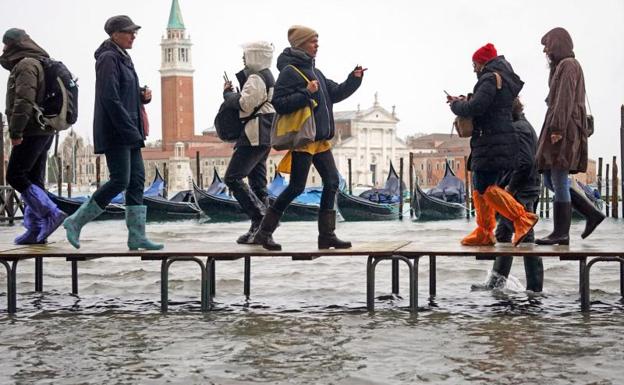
pixel 264 235
pixel 326 227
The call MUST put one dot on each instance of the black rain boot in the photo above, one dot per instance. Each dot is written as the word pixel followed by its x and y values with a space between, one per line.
pixel 247 238
pixel 326 226
pixel 534 270
pixel 562 212
pixel 592 215
pixel 264 235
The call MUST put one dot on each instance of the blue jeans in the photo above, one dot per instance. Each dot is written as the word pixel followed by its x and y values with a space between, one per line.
pixel 126 172
pixel 481 180
pixel 557 180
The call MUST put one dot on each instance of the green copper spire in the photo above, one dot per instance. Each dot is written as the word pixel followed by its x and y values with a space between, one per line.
pixel 175 16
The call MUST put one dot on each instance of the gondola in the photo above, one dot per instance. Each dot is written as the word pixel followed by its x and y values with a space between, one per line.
pixel 221 207
pixel 375 204
pixel 444 201
pixel 70 205
pixel 161 209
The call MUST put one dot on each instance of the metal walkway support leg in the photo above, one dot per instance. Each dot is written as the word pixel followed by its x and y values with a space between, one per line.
pixel 38 274
pixel 432 276
pixel 370 280
pixel 11 270
pixel 585 305
pixel 247 278
pixel 206 272
pixel 395 276
pixel 74 274
pixel 582 266
pixel 413 270
pixel 213 277
pixel 370 284
pixel 585 294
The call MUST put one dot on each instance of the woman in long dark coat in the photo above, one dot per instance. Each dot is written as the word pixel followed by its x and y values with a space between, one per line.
pixel 492 146
pixel 562 148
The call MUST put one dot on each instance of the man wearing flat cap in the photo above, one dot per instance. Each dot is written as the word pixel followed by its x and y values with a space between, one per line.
pixel 29 138
pixel 119 132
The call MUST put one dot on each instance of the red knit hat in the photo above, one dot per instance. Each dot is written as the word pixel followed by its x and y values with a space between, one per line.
pixel 484 54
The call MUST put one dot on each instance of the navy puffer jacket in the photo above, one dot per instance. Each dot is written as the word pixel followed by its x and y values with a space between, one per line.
pixel 117 115
pixel 493 142
pixel 291 93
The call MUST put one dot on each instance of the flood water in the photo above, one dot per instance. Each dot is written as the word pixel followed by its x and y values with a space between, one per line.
pixel 306 321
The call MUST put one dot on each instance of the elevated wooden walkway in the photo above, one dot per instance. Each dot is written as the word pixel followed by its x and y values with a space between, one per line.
pixel 206 254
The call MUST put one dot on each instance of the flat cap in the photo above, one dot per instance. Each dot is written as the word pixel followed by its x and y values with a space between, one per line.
pixel 120 23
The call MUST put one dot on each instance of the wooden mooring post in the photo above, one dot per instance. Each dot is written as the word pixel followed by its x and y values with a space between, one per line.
pixel 401 189
pixel 599 177
pixel 468 192
pixel 349 176
pixel 166 178
pixel 98 170
pixel 197 169
pixel 622 161
pixel 59 175
pixel 547 202
pixel 607 195
pixel 411 182
pixel 615 184
pixel 69 180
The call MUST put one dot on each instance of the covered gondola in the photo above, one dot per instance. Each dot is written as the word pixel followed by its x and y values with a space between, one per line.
pixel 161 209
pixel 70 205
pixel 221 207
pixel 375 204
pixel 444 201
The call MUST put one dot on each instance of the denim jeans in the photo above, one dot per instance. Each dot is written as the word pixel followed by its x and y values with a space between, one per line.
pixel 557 180
pixel 126 172
pixel 481 180
pixel 27 163
pixel 250 162
pixel 300 167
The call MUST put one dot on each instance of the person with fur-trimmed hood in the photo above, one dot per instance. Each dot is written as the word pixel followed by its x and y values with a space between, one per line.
pixel 562 148
pixel 31 139
pixel 492 146
pixel 293 91
pixel 253 146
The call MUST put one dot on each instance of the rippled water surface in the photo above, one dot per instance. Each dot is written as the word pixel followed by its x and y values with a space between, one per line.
pixel 306 321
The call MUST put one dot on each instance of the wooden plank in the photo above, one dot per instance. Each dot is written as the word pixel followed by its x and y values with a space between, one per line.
pixel 198 248
pixel 577 249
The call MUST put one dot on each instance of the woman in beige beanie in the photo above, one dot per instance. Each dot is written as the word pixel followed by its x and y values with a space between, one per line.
pixel 293 92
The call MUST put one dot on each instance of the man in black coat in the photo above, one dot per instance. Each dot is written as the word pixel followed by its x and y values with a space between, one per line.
pixel 119 134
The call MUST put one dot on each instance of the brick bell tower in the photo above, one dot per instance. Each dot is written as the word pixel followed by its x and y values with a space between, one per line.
pixel 176 81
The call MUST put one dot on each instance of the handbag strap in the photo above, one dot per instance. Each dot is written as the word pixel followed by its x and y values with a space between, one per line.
pixel 255 111
pixel 587 100
pixel 300 73
pixel 499 80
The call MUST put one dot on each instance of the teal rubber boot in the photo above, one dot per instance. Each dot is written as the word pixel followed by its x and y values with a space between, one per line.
pixel 87 212
pixel 135 221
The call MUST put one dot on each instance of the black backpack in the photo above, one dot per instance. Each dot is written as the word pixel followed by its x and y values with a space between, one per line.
pixel 58 108
pixel 228 123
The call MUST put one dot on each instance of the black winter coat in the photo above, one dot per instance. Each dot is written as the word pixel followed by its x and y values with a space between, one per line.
pixel 117 116
pixel 524 180
pixel 493 143
pixel 291 93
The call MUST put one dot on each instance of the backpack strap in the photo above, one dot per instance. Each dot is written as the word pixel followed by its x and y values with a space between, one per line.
pixel 300 73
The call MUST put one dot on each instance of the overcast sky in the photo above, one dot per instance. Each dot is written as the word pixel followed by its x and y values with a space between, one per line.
pixel 414 50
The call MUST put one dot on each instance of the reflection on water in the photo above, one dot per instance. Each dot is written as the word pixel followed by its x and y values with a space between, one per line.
pixel 306 322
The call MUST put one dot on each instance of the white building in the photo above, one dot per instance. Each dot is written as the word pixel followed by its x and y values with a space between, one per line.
pixel 368 137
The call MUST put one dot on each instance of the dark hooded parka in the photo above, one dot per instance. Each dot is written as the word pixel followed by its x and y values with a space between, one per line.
pixel 566 115
pixel 493 141
pixel 25 85
pixel 117 115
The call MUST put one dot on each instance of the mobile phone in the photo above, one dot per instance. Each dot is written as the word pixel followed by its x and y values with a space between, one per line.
pixel 225 77
pixel 447 94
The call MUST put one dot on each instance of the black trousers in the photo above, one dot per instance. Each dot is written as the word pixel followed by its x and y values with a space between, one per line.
pixel 533 266
pixel 301 162
pixel 27 163
pixel 126 172
pixel 249 162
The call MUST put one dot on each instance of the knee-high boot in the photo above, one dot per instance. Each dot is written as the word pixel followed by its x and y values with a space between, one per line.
pixel 135 222
pixel 327 237
pixel 87 212
pixel 483 235
pixel 562 219
pixel 264 235
pixel 593 216
pixel 506 205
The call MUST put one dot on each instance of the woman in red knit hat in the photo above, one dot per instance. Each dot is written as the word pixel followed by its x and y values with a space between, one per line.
pixel 492 146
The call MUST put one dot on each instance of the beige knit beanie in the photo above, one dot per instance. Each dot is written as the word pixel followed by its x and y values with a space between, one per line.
pixel 298 34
